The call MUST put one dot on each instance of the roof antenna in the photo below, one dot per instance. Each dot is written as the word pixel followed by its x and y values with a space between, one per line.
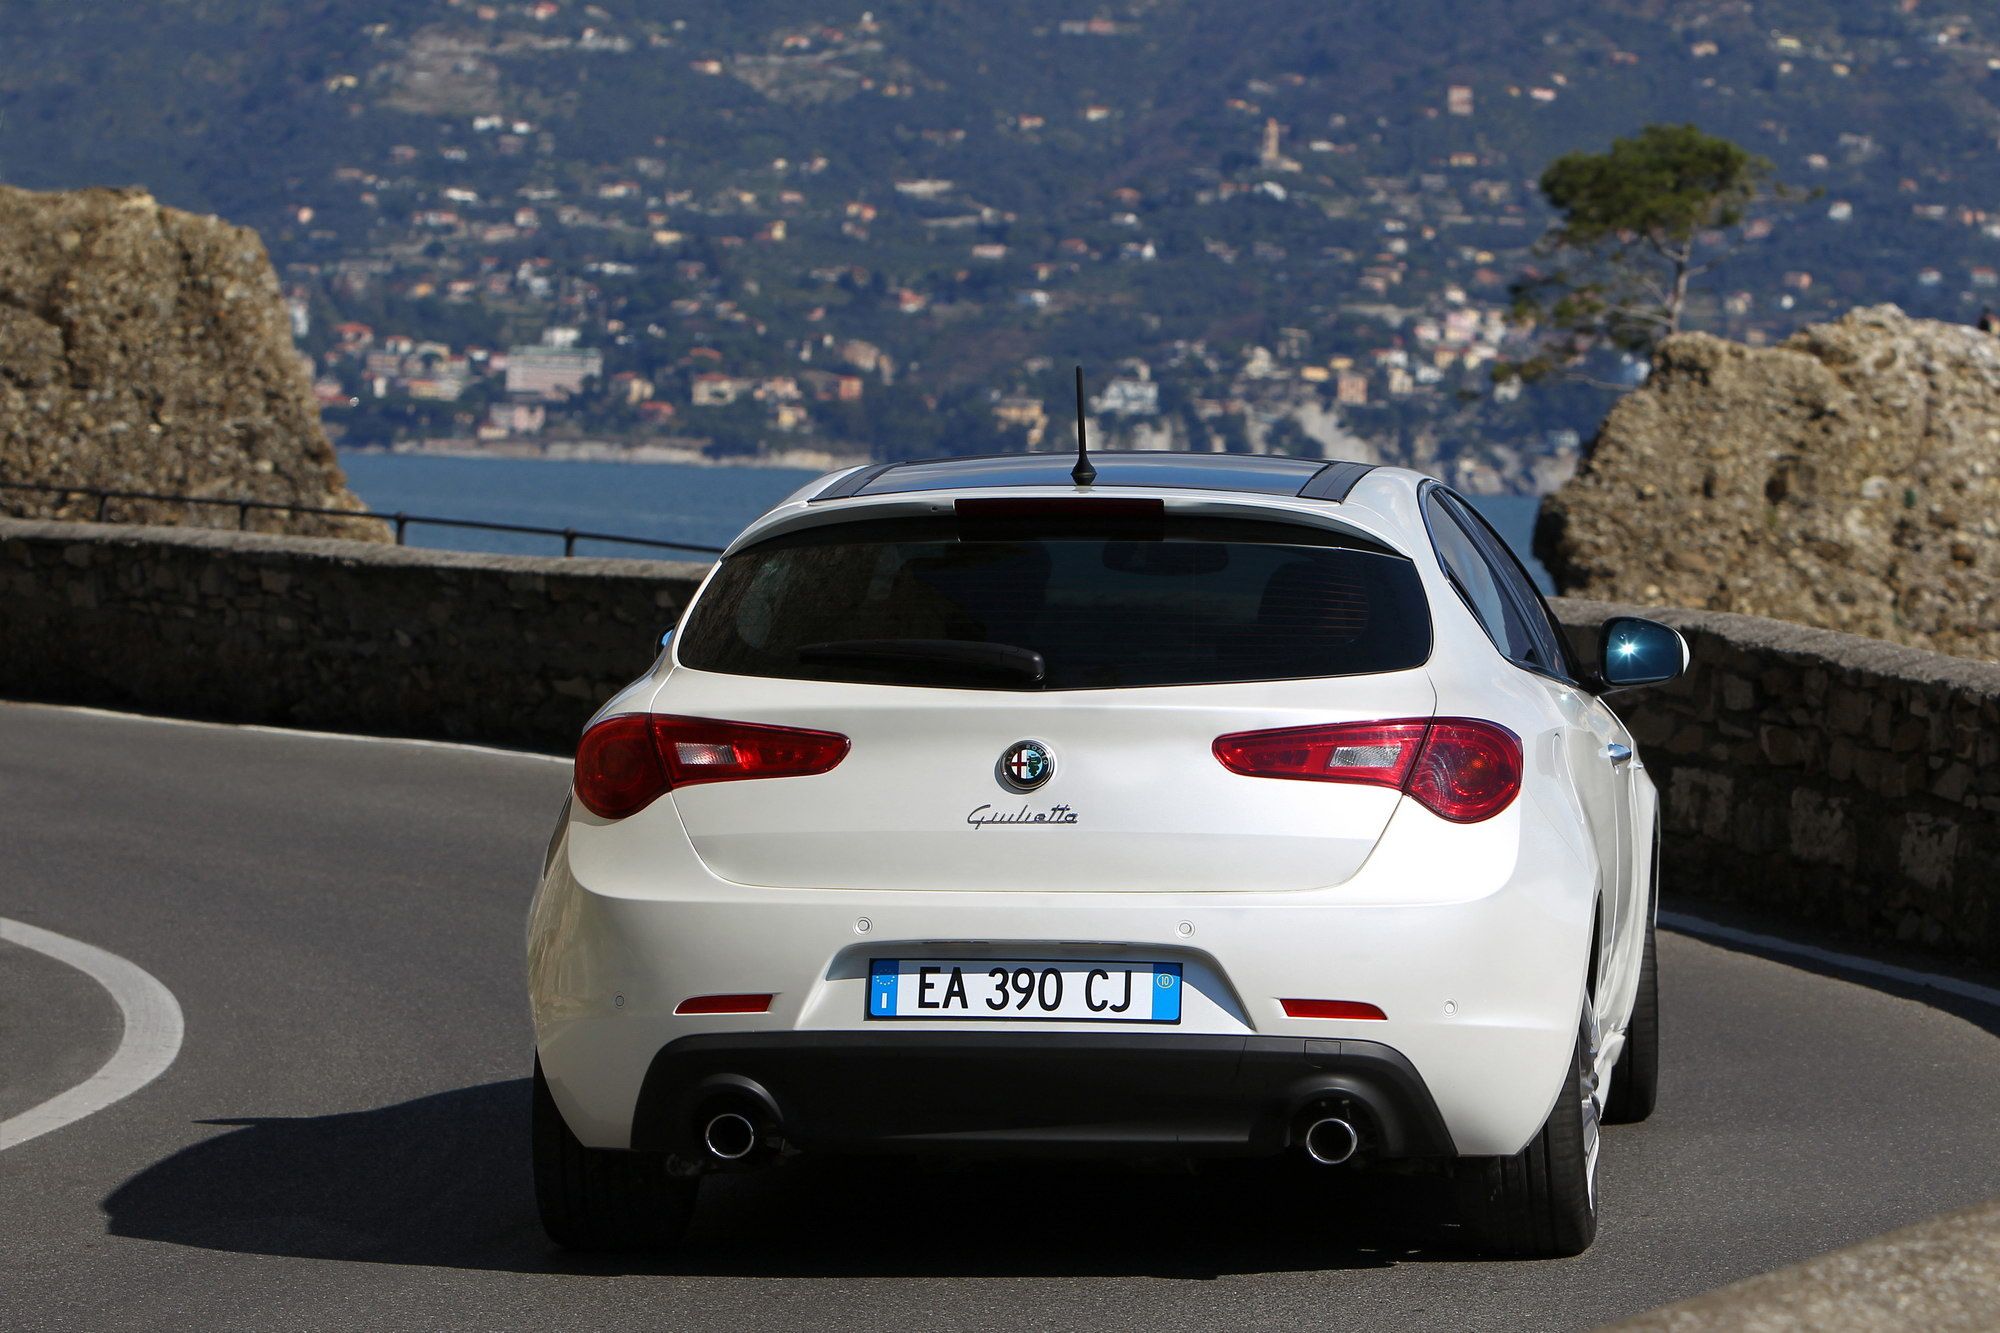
pixel 1083 473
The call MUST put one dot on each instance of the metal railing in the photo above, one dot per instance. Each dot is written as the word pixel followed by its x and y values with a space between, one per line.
pixel 399 521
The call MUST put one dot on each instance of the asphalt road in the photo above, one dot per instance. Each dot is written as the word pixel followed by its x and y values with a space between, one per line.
pixel 342 1141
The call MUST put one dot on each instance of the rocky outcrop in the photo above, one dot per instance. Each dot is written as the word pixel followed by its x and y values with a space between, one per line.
pixel 1849 479
pixel 142 348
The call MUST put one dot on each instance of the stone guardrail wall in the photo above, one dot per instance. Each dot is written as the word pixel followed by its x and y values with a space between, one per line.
pixel 1842 782
pixel 1836 781
pixel 324 634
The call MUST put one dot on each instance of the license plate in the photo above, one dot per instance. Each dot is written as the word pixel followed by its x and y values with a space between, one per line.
pixel 1018 990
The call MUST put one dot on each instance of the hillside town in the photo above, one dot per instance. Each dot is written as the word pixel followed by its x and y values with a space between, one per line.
pixel 493 283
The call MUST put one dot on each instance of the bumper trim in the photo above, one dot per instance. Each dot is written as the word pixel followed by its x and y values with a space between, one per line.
pixel 1032 1093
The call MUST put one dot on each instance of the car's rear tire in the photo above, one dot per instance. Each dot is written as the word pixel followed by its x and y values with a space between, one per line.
pixel 1635 1080
pixel 1542 1201
pixel 602 1199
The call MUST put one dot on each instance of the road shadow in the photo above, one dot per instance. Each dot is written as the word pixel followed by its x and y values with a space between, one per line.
pixel 1978 1012
pixel 444 1181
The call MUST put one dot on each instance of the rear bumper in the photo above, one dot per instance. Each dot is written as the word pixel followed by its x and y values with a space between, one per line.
pixel 1475 945
pixel 1097 1094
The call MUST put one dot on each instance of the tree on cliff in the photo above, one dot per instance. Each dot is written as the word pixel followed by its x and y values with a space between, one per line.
pixel 1635 225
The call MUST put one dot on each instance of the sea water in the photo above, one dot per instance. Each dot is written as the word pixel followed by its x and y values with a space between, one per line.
pixel 661 501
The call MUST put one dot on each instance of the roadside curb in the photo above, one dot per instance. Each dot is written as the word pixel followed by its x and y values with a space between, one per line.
pixel 1942 1275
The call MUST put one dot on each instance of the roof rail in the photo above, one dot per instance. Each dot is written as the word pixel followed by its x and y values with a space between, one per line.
pixel 848 483
pixel 1334 481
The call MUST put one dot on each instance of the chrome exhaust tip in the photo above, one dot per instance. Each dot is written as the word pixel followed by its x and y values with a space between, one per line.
pixel 730 1136
pixel 1331 1141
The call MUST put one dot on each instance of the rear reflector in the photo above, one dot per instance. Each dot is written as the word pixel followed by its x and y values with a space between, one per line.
pixel 624 763
pixel 724 1004
pixel 1460 768
pixel 1332 1009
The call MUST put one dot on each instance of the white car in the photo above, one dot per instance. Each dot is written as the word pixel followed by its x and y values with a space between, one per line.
pixel 1221 806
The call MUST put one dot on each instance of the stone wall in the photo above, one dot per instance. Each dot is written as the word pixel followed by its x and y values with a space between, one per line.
pixel 1836 781
pixel 326 634
pixel 1843 782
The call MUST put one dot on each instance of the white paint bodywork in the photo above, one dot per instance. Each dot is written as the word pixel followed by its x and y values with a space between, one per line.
pixel 1475 940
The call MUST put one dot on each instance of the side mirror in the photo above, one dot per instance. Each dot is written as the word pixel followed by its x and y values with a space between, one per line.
pixel 1640 652
pixel 666 642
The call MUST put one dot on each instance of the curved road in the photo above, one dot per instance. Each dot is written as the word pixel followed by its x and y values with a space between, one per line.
pixel 341 1142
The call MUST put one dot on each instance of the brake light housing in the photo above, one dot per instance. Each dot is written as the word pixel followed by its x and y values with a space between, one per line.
pixel 1468 770
pixel 1459 768
pixel 625 763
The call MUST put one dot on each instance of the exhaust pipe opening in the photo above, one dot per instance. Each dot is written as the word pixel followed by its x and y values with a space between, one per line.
pixel 730 1136
pixel 1331 1141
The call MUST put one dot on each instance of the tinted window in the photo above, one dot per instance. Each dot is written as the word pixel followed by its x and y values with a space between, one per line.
pixel 1550 650
pixel 1480 584
pixel 1102 611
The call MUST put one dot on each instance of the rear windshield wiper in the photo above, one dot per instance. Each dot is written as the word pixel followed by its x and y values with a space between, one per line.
pixel 1003 659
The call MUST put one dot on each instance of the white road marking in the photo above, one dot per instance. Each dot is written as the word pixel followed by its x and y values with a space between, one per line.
pixel 494 750
pixel 1908 976
pixel 151 1040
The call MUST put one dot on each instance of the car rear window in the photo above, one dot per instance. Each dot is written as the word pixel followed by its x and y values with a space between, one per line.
pixel 1187 603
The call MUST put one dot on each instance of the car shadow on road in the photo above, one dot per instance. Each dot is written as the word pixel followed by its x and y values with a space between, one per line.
pixel 443 1181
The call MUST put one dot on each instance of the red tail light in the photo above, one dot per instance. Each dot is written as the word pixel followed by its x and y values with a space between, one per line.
pixel 1468 770
pixel 1461 769
pixel 1379 753
pixel 624 763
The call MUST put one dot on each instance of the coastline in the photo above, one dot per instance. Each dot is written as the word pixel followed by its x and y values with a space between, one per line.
pixel 685 455
pixel 701 500
pixel 601 451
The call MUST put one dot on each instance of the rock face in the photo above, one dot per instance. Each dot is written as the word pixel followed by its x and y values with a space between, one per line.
pixel 146 349
pixel 1849 478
